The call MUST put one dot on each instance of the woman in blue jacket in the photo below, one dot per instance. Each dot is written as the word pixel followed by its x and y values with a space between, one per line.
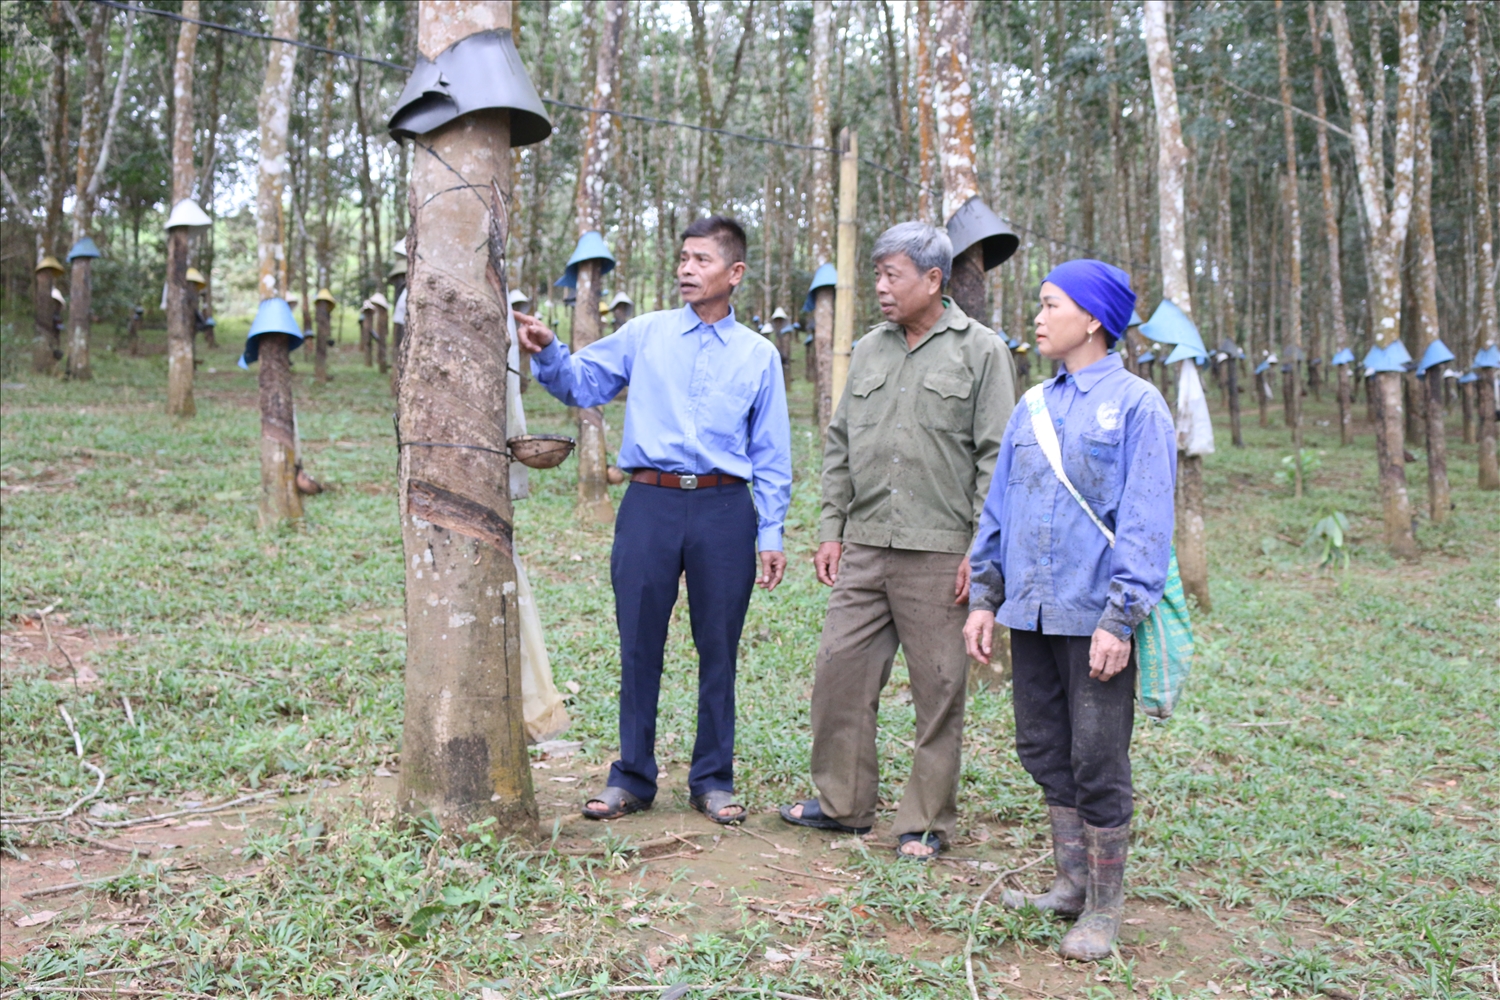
pixel 1043 568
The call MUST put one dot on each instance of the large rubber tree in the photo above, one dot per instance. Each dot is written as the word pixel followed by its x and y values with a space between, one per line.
pixel 463 755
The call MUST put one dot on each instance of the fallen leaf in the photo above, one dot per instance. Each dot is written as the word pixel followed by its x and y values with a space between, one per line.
pixel 1135 921
pixel 485 993
pixel 512 936
pixel 1335 795
pixel 772 955
pixel 198 822
pixel 572 686
pixel 566 778
pixel 383 772
pixel 37 919
pixel 232 826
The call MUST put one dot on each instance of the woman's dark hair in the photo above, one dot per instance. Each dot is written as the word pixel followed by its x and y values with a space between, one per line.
pixel 724 231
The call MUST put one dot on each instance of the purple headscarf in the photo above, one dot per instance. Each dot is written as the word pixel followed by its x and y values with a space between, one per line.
pixel 1100 289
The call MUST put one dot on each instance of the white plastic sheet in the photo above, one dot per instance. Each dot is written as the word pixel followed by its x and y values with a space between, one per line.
pixel 1195 428
pixel 541 703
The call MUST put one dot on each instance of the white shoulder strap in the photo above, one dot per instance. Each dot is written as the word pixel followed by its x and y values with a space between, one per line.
pixel 1046 439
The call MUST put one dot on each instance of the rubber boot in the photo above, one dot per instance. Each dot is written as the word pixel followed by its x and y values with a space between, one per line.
pixel 1069 887
pixel 1093 937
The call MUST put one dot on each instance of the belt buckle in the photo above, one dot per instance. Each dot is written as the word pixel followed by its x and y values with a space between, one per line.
pixel 687 482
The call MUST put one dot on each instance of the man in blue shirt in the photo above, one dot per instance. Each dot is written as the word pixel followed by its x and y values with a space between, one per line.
pixel 707 415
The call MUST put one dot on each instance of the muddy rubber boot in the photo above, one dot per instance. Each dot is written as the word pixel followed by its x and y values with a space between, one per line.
pixel 1069 887
pixel 1093 937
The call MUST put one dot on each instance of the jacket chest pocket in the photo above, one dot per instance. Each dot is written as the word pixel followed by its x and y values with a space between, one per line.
pixel 867 404
pixel 1099 458
pixel 945 400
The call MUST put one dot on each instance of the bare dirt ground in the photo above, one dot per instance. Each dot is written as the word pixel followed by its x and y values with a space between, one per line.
pixel 762 870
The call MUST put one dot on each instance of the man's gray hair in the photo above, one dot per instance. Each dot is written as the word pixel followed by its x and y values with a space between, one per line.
pixel 926 246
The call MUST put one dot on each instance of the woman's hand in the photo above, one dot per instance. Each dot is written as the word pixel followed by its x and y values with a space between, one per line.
pixel 1108 655
pixel 979 635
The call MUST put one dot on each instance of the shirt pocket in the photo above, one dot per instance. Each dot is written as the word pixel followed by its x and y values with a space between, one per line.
pixel 723 417
pixel 867 404
pixel 945 402
pixel 1100 457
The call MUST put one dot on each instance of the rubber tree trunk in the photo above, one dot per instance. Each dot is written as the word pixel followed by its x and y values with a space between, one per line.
pixel 824 307
pixel 1387 216
pixel 1192 554
pixel 280 503
pixel 1489 317
pixel 322 320
pixel 180 311
pixel 463 754
pixel 79 304
pixel 279 500
pixel 1232 387
pixel 1335 272
pixel 179 327
pixel 951 100
pixel 44 336
pixel 1294 255
pixel 593 485
pixel 820 224
pixel 366 340
pixel 1489 474
pixel 1466 405
pixel 382 323
pixel 1439 497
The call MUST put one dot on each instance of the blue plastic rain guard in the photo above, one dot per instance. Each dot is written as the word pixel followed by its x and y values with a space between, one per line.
pixel 1379 360
pixel 1437 352
pixel 273 316
pixel 1146 358
pixel 1170 325
pixel 1343 357
pixel 827 276
pixel 1261 368
pixel 1230 348
pixel 478 72
pixel 1184 352
pixel 590 247
pixel 1488 358
pixel 1135 319
pixel 83 248
pixel 1467 378
pixel 1397 354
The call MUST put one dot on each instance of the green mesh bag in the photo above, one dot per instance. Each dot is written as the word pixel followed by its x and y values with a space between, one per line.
pixel 1164 649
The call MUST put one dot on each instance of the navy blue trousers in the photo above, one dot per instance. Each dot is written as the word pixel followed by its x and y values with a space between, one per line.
pixel 660 533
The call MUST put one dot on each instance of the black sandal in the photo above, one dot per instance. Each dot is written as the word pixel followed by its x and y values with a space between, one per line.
pixel 618 801
pixel 712 801
pixel 812 815
pixel 928 839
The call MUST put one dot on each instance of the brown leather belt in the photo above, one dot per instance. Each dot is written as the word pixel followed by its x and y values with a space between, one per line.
pixel 672 480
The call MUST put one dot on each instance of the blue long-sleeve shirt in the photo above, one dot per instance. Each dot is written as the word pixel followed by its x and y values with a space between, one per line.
pixel 1038 561
pixel 705 397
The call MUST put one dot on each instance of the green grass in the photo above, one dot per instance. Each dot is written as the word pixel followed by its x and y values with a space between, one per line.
pixel 1345 840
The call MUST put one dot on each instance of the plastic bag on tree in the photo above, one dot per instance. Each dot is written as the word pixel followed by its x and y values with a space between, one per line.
pixel 540 703
pixel 1195 428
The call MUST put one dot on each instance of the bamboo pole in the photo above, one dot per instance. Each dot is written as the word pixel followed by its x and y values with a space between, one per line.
pixel 847 258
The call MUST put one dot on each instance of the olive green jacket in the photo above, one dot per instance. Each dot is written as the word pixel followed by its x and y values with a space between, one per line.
pixel 913 442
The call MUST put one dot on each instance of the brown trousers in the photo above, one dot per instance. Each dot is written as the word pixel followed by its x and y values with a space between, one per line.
pixel 887 598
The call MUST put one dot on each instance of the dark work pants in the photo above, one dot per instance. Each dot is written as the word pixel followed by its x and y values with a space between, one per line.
pixel 660 533
pixel 1072 731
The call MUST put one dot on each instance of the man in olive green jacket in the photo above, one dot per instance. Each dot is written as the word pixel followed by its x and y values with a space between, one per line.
pixel 906 468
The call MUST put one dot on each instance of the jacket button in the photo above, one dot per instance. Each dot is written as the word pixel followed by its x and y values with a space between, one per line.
pixel 1046 561
pixel 1093 451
